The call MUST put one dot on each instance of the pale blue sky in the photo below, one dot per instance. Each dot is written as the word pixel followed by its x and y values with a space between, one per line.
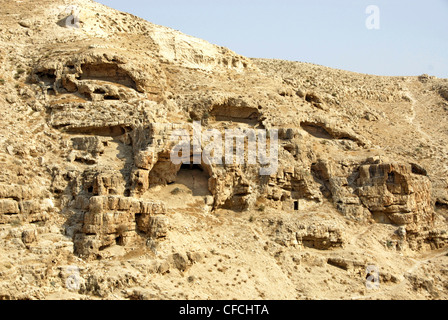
pixel 412 40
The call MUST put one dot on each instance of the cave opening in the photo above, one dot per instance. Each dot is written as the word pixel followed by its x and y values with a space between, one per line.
pixel 195 178
pixel 192 167
pixel 246 115
pixel 119 241
pixel 109 72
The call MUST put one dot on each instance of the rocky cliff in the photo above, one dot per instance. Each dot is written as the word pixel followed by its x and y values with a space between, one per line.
pixel 92 205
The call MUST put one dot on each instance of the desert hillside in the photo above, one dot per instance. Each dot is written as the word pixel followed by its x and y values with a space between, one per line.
pixel 93 207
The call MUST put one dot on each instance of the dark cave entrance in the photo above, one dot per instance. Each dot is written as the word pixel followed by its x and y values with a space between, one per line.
pixel 192 167
pixel 195 178
pixel 119 241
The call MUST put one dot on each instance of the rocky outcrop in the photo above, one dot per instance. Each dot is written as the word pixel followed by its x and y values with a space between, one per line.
pixel 394 194
pixel 23 204
pixel 98 75
pixel 92 115
pixel 319 235
pixel 390 193
pixel 118 220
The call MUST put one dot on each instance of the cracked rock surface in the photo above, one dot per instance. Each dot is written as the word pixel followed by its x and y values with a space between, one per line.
pixel 92 207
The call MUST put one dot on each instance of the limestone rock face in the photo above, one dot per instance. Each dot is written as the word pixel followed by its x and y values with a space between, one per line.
pixel 116 220
pixel 8 206
pixel 392 191
pixel 321 235
pixel 94 104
